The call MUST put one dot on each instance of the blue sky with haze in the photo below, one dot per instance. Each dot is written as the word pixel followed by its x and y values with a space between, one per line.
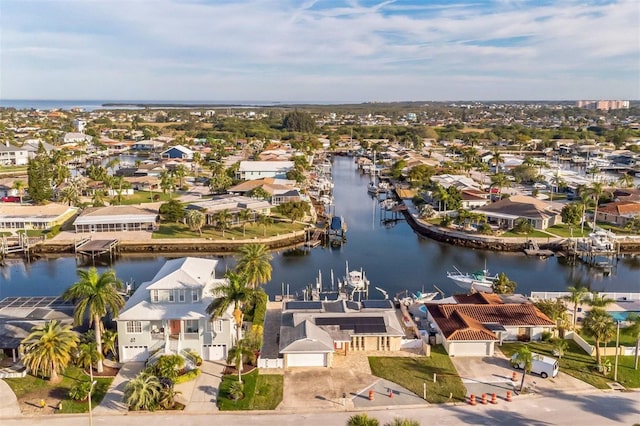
pixel 324 51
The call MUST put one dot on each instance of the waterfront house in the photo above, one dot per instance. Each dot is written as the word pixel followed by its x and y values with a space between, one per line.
pixel 472 324
pixel 233 205
pixel 168 314
pixel 280 190
pixel 507 211
pixel 117 218
pixel 619 213
pixel 260 169
pixel 311 332
pixel 15 216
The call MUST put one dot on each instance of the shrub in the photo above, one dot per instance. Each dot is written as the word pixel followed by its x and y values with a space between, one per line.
pixel 546 336
pixel 196 358
pixel 446 220
pixel 80 391
pixel 169 366
pixel 260 309
pixel 236 391
pixel 187 377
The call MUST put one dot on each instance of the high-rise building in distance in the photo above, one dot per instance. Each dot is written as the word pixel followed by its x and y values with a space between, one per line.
pixel 603 105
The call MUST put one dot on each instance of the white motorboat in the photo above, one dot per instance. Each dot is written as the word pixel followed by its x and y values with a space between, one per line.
pixel 355 280
pixel 408 299
pixel 478 280
pixel 602 240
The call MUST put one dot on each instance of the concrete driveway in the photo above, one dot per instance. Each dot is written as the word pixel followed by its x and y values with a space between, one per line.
pixel 322 388
pixel 493 375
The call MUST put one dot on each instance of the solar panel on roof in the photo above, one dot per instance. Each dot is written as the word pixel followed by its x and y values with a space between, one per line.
pixel 357 324
pixel 377 304
pixel 303 305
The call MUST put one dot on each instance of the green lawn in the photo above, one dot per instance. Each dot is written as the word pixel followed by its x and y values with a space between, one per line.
pixel 34 388
pixel 179 230
pixel 413 373
pixel 533 234
pixel 141 197
pixel 262 392
pixel 626 339
pixel 563 230
pixel 578 364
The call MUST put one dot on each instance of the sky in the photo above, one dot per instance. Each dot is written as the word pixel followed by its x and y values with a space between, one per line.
pixel 320 51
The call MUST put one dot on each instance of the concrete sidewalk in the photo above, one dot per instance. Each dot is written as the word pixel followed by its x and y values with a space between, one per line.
pixel 9 406
pixel 112 401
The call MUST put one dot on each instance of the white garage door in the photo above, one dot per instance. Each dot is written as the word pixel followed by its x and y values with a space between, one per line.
pixel 135 353
pixel 469 349
pixel 306 360
pixel 214 352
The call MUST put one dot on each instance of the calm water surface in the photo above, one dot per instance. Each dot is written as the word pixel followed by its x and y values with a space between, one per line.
pixel 393 258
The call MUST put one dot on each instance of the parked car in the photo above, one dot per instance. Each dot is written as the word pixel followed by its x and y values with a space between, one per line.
pixel 545 366
pixel 10 199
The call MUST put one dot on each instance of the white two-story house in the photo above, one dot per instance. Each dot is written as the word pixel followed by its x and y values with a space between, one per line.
pixel 169 314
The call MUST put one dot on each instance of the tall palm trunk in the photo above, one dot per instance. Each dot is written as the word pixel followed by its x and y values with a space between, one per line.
pixel 524 374
pixel 53 377
pixel 635 367
pixel 96 325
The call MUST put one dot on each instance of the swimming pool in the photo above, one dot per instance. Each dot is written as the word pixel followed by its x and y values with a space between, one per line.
pixel 622 316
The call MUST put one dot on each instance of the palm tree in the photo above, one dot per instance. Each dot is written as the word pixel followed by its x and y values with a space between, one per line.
pixel 442 195
pixel 167 182
pixel 497 159
pixel 195 219
pixel 95 295
pixel 597 191
pixel 577 295
pixel 634 330
pixel 626 180
pixel 362 420
pixel 180 172
pixel 143 392
pixel 87 355
pixel 254 263
pixel 500 180
pixel 19 186
pixel 48 349
pixel 599 325
pixel 523 359
pixel 264 220
pixel 557 182
pixel 235 292
pixel 109 342
pixel 239 354
pixel 222 219
pixel 599 301
pixel 244 215
pixel 583 192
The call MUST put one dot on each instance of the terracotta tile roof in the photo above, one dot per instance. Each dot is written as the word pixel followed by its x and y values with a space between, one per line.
pixel 478 298
pixel 466 321
pixel 620 208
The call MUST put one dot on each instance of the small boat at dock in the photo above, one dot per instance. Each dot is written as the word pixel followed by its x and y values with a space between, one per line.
pixel 478 280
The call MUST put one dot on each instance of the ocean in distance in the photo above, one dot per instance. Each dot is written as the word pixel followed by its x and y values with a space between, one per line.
pixel 393 257
pixel 92 105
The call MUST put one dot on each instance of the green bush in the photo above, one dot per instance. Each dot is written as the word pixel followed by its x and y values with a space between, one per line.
pixel 546 336
pixel 187 377
pixel 260 309
pixel 80 391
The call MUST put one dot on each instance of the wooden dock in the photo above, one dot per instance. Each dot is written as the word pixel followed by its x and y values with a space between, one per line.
pixel 95 248
pixel 315 240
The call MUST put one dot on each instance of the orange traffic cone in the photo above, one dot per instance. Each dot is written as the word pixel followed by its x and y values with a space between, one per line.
pixel 484 398
pixel 371 395
pixel 494 399
pixel 472 399
pixel 390 393
pixel 514 376
pixel 508 398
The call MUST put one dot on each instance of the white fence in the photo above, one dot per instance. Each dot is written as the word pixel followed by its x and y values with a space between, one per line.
pixel 270 363
pixel 618 297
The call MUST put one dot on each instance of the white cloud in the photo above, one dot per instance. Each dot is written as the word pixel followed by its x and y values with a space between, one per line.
pixel 286 51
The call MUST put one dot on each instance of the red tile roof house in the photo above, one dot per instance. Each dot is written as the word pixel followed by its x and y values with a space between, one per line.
pixel 473 325
pixel 619 213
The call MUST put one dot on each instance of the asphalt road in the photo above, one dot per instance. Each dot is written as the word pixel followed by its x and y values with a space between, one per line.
pixel 584 409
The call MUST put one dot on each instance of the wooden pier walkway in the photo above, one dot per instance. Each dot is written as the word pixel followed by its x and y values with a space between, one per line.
pixel 95 248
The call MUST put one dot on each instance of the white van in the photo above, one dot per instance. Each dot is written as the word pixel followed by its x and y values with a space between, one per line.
pixel 545 366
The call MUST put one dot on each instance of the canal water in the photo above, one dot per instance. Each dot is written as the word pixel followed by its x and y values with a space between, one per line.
pixel 392 256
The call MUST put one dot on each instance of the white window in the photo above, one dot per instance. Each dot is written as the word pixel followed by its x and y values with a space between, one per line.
pixel 134 327
pixel 154 295
pixel 181 294
pixel 218 326
pixel 191 326
pixel 194 295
